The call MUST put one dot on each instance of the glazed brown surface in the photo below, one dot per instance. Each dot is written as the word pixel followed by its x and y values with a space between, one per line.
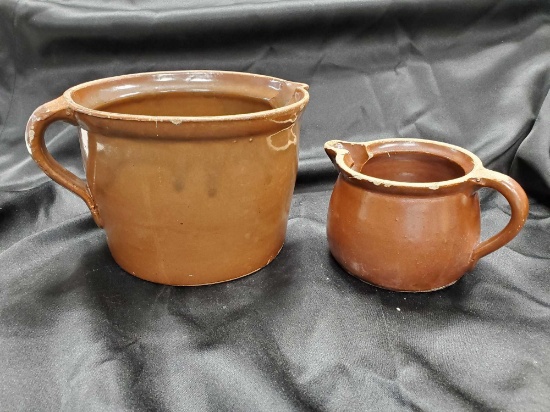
pixel 404 213
pixel 186 104
pixel 185 212
pixel 186 197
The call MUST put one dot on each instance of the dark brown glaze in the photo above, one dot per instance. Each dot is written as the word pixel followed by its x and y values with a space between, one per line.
pixel 190 173
pixel 404 213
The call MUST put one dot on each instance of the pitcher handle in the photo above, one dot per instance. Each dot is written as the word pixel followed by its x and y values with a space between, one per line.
pixel 42 117
pixel 519 205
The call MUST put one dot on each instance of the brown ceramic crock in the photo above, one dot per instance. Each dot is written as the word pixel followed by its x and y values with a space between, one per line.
pixel 404 214
pixel 190 173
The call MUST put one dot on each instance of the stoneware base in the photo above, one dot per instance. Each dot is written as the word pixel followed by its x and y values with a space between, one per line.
pixel 271 259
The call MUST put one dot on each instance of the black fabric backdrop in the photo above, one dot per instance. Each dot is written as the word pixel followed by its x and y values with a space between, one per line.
pixel 78 333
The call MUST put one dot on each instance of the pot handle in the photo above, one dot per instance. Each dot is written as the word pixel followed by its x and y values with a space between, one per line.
pixel 39 121
pixel 519 204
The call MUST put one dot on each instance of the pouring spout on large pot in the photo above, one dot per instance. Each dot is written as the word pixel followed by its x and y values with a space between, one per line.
pixel 299 85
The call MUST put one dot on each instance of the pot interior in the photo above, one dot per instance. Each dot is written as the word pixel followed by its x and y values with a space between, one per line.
pixel 183 104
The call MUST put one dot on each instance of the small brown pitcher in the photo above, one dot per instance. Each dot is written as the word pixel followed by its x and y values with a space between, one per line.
pixel 404 214
pixel 190 173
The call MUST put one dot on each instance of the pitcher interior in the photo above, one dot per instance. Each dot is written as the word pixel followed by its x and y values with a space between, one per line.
pixel 408 161
pixel 412 167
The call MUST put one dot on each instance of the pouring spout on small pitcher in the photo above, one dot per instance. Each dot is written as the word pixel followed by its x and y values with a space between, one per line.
pixel 335 147
pixel 343 153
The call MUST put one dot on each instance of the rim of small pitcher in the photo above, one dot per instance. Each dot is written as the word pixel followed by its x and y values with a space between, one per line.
pixel 264 114
pixel 341 152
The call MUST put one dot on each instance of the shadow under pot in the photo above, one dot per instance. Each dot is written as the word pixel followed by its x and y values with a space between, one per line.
pixel 190 173
pixel 404 214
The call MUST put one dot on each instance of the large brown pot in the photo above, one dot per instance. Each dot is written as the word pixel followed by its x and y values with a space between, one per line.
pixel 190 173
